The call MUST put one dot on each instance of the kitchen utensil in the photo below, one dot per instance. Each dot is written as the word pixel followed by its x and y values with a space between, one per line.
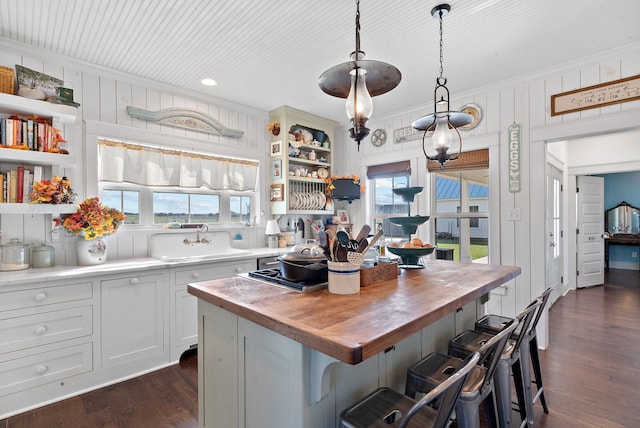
pixel 373 240
pixel 364 233
pixel 343 237
pixel 323 239
pixel 355 258
pixel 362 244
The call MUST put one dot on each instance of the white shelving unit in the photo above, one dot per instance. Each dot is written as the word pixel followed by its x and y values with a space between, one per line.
pixel 10 158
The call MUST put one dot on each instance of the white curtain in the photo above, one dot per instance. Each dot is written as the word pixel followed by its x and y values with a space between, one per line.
pixel 152 166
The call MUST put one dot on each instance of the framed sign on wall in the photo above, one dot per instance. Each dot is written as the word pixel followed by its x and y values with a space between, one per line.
pixel 604 94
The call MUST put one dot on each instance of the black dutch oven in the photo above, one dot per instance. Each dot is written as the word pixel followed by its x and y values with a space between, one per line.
pixel 303 266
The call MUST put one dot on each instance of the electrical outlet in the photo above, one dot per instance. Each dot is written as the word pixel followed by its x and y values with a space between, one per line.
pixel 634 254
pixel 514 214
pixel 55 232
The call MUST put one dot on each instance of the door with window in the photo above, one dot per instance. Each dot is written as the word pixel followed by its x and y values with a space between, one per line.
pixel 554 232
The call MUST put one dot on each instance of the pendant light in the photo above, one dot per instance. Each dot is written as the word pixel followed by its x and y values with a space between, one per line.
pixel 358 81
pixel 441 127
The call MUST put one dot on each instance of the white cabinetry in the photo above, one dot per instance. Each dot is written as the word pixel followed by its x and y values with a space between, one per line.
pixel 134 310
pixel 184 306
pixel 301 194
pixel 46 338
pixel 51 162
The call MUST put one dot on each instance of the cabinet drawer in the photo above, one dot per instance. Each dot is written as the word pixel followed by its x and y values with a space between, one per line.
pixel 208 272
pixel 27 331
pixel 39 369
pixel 45 296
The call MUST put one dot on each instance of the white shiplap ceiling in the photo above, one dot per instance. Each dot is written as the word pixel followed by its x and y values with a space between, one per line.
pixel 266 53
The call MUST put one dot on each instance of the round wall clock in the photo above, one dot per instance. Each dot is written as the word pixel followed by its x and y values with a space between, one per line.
pixel 379 137
pixel 323 173
pixel 474 111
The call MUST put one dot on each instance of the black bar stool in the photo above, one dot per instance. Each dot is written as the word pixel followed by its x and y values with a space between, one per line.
pixel 514 359
pixel 385 407
pixel 433 370
pixel 493 323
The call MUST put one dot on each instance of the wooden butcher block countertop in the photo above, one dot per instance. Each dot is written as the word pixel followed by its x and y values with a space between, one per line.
pixel 352 328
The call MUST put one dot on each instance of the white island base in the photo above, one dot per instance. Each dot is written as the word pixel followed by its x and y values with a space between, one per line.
pixel 252 377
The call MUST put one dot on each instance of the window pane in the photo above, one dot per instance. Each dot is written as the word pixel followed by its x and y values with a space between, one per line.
pixel 170 207
pixel 240 207
pixel 388 204
pixel 127 201
pixel 204 208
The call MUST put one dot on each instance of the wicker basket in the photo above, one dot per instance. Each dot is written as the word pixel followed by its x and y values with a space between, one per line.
pixel 7 80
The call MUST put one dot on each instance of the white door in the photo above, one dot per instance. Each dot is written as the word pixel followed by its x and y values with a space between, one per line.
pixel 554 232
pixel 590 233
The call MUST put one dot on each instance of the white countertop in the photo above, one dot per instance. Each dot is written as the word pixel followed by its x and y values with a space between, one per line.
pixel 120 266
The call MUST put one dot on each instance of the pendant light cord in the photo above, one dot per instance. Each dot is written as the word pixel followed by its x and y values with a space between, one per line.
pixel 441 50
pixel 357 30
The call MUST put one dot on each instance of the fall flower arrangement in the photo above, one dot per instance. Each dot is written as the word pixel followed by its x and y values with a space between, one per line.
pixel 93 219
pixel 55 191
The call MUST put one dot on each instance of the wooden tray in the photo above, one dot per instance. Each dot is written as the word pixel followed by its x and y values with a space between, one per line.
pixel 380 273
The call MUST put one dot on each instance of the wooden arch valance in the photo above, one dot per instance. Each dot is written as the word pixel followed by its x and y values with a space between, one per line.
pixel 185 118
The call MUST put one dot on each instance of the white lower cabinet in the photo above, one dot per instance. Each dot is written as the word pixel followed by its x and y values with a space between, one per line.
pixel 47 333
pixel 133 314
pixel 61 338
pixel 184 306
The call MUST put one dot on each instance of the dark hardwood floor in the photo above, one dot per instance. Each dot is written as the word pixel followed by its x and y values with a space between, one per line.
pixel 591 373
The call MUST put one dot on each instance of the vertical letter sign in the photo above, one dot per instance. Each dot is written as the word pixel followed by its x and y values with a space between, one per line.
pixel 514 158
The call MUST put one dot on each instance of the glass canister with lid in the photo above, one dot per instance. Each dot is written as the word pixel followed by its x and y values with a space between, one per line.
pixel 42 256
pixel 14 255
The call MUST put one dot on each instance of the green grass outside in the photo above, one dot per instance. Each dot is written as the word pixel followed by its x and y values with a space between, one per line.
pixel 477 251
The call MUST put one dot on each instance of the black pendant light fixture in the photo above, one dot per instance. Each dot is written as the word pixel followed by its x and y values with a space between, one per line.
pixel 441 127
pixel 358 81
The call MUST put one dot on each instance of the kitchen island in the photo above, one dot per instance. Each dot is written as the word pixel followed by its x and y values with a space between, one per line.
pixel 271 357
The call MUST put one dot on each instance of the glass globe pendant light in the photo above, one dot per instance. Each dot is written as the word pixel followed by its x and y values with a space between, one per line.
pixel 358 81
pixel 441 127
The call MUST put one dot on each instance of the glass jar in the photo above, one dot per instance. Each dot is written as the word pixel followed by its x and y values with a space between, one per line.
pixel 14 255
pixel 43 256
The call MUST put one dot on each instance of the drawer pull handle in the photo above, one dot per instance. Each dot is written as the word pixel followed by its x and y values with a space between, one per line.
pixel 40 296
pixel 41 329
pixel 41 370
pixel 134 281
pixel 195 275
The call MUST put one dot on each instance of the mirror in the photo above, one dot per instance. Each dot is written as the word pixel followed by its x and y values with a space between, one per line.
pixel 623 219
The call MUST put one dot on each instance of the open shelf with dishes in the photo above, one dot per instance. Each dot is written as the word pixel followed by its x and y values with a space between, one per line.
pixel 20 157
pixel 301 161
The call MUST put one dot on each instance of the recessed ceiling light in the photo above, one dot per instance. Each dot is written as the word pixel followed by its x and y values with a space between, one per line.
pixel 208 82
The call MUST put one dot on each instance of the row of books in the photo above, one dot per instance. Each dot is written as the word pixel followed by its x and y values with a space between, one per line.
pixel 27 133
pixel 17 184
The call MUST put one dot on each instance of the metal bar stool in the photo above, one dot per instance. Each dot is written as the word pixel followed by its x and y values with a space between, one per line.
pixel 493 323
pixel 385 407
pixel 515 360
pixel 433 370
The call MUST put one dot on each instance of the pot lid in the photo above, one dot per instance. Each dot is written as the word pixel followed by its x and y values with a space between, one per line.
pixel 304 255
pixel 42 247
pixel 14 242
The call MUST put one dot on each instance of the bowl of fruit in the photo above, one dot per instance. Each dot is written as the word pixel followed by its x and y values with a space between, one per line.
pixel 411 251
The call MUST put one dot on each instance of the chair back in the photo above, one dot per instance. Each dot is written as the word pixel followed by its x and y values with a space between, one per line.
pixel 492 350
pixel 543 298
pixel 525 320
pixel 447 392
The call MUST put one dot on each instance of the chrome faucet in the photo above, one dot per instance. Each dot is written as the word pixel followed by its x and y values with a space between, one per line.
pixel 198 240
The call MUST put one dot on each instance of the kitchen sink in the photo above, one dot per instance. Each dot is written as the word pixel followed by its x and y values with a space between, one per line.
pixel 193 246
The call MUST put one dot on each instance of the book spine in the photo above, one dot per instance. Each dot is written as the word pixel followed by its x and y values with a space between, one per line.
pixel 20 184
pixel 9 132
pixel 30 134
pixel 2 188
pixel 3 131
pixel 11 186
pixel 27 187
pixel 37 173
